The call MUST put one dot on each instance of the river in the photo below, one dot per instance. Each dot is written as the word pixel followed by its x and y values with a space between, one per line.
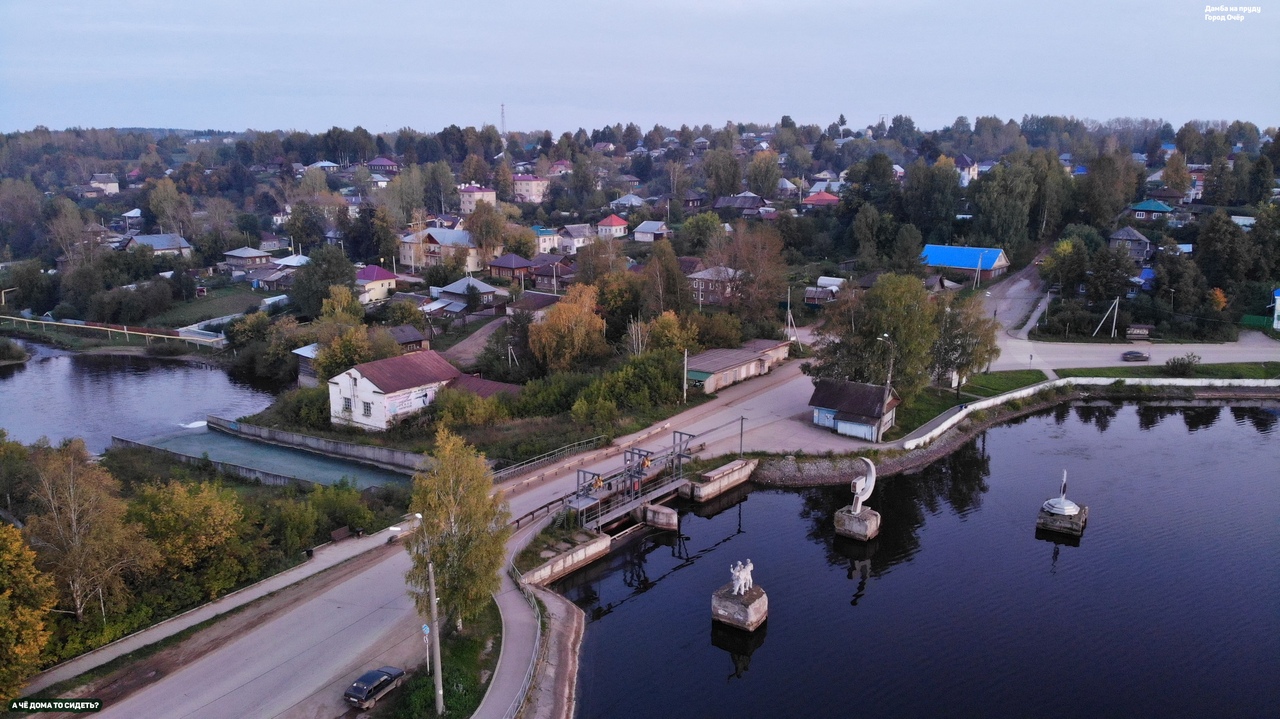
pixel 1167 607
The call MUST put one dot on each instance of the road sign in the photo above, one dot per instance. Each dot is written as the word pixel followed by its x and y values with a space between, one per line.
pixel 426 629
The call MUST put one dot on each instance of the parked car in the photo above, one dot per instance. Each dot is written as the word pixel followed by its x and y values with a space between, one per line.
pixel 1135 356
pixel 372 686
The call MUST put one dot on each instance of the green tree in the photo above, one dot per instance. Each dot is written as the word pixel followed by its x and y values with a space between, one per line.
pixel 329 266
pixel 171 208
pixel 192 527
pixel 474 169
pixel 339 505
pixel 408 191
pixel 667 287
pixel 905 257
pixel 293 525
pixel 520 241
pixel 306 224
pixel 1109 274
pixel 439 187
pixel 1219 184
pixel 79 533
pixel 486 226
pixel 1108 188
pixel 26 597
pixel 668 331
pixel 966 339
pixel 1003 198
pixel 463 531
pixel 763 174
pixel 1262 179
pixel 724 174
pixel 349 349
pixel 1224 252
pixel 892 319
pixel 699 231
pixel 866 230
pixel 504 182
pixel 929 196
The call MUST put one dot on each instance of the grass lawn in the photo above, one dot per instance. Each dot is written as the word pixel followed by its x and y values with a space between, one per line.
pixel 994 383
pixel 218 303
pixel 465 656
pixel 531 556
pixel 456 334
pixel 928 404
pixel 1230 370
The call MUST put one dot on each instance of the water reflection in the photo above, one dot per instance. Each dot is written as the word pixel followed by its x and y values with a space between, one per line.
pixel 739 644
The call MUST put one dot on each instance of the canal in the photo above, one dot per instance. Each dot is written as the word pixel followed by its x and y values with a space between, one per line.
pixel 1168 606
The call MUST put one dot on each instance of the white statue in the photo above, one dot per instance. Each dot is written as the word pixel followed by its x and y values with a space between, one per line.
pixel 741 576
pixel 862 486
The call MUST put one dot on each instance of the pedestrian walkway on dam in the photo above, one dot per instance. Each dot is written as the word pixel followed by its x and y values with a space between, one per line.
pixel 275 459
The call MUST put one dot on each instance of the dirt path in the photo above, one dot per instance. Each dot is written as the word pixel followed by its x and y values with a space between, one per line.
pixel 117 685
pixel 464 353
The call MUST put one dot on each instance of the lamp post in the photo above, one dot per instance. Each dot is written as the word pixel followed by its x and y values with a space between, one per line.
pixel 888 385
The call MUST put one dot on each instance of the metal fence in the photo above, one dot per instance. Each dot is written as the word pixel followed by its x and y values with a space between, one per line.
pixel 545 459
pixel 518 703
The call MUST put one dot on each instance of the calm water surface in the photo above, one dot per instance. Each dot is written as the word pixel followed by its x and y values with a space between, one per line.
pixel 59 395
pixel 1169 606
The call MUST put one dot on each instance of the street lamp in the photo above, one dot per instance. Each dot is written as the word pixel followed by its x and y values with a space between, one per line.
pixel 888 385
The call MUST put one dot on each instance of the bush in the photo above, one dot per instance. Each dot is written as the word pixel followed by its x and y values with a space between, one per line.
pixel 11 351
pixel 307 407
pixel 1184 366
pixel 167 349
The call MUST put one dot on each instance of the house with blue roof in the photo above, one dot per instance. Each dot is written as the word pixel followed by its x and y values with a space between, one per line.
pixel 1149 210
pixel 988 262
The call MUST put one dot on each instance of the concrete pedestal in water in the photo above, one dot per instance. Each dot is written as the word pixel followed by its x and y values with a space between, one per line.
pixel 1072 524
pixel 862 526
pixel 744 611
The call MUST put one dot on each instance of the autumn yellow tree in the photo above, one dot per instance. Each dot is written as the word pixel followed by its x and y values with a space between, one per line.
pixel 463 532
pixel 572 331
pixel 191 526
pixel 80 533
pixel 26 596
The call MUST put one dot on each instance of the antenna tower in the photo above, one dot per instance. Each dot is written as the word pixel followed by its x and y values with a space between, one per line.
pixel 504 119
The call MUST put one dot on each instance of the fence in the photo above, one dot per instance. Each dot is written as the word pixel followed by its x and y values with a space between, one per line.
pixel 545 459
pixel 258 475
pixel 518 703
pixel 145 332
pixel 396 460
pixel 958 417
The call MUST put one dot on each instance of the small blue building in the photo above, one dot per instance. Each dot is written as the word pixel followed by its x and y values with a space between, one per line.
pixel 854 409
pixel 990 261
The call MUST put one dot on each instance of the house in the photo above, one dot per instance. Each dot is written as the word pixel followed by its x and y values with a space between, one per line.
pixel 409 338
pixel 328 167
pixel 553 276
pixel 1149 210
pixel 967 168
pixel 611 226
pixel 575 237
pixel 374 284
pixel 243 259
pixel 374 395
pixel 383 166
pixel 471 194
pixel 535 302
pixel 690 265
pixel 1167 196
pixel 377 180
pixel 987 261
pixel 1133 243
pixel 834 187
pixel 530 188
pixel 854 409
pixel 630 182
pixel 548 239
pixel 560 168
pixel 433 245
pixel 106 182
pixel 271 242
pixel 744 203
pixel 816 297
pixel 651 231
pixel 693 200
pixel 165 244
pixel 306 369
pixel 457 291
pixel 787 188
pixel 713 286
pixel 716 369
pixel 626 202
pixel 510 266
pixel 820 199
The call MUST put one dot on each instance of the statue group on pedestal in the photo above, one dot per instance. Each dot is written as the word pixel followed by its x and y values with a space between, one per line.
pixel 741 574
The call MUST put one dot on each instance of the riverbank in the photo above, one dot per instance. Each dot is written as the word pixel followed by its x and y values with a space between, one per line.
pixel 801 471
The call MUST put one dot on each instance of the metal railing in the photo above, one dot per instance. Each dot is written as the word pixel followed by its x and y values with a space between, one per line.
pixel 518 703
pixel 547 458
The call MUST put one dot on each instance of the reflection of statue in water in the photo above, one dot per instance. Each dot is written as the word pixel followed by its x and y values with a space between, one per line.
pixel 741 576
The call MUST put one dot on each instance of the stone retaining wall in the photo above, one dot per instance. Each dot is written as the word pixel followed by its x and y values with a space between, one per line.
pixel 563 564
pixel 256 475
pixel 395 460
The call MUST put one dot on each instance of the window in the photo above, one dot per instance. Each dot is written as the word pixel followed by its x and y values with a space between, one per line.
pixel 1140 215
pixel 368 409
pixel 346 404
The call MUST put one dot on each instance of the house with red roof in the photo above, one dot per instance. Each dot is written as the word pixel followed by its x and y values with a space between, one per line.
pixel 611 226
pixel 530 188
pixel 820 199
pixel 383 166
pixel 471 194
pixel 374 284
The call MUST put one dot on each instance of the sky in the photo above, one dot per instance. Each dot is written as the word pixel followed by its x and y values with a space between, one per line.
pixel 563 64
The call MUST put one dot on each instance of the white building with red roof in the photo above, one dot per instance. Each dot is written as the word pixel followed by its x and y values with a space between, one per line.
pixel 611 226
pixel 530 188
pixel 374 284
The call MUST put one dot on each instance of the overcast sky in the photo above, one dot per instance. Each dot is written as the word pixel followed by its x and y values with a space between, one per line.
pixel 564 64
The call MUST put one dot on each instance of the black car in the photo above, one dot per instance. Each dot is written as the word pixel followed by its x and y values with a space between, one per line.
pixel 372 686
pixel 1135 356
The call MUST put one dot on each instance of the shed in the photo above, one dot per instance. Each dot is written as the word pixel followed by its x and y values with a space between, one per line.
pixel 854 409
pixel 989 261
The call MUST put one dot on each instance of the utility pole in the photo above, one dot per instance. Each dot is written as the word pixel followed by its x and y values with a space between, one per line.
pixel 742 424
pixel 435 639
pixel 685 377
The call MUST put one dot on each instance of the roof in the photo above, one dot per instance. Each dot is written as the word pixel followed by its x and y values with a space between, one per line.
pixel 1127 233
pixel 852 400
pixel 309 351
pixel 162 242
pixel 246 252
pixel 582 231
pixel 473 188
pixel 528 178
pixel 719 360
pixel 460 287
pixel 1151 206
pixel 510 261
pixel 412 298
pixel 612 221
pixel 533 301
pixel 415 369
pixel 719 273
pixel 483 387
pixel 542 259
pixel 763 345
pixel 629 200
pixel 405 334
pixel 964 257
pixel 821 198
pixel 739 202
pixel 373 273
pixel 453 238
pixel 964 161
pixel 690 265
pixel 292 261
pixel 382 162
pixel 652 226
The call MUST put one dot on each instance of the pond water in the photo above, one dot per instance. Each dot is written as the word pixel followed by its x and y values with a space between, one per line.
pixel 1169 606
pixel 59 394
